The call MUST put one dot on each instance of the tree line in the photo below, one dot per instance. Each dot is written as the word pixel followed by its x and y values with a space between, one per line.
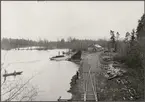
pixel 71 43
pixel 131 50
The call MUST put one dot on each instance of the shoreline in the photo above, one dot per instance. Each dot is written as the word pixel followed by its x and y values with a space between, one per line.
pixel 74 86
pixel 75 81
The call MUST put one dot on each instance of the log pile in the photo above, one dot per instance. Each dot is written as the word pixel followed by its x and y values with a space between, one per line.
pixel 113 72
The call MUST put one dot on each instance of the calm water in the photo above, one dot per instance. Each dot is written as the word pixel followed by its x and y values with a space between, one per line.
pixel 52 78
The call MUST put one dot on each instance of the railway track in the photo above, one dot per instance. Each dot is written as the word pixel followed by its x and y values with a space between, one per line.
pixel 89 86
pixel 90 67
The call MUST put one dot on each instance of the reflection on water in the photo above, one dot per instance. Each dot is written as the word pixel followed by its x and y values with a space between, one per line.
pixel 52 78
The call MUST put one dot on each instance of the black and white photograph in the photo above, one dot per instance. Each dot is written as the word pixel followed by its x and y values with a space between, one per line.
pixel 72 51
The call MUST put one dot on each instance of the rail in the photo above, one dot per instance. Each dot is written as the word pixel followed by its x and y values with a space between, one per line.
pixel 86 85
pixel 96 99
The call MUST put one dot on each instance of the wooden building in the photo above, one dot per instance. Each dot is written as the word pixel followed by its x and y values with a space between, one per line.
pixel 95 48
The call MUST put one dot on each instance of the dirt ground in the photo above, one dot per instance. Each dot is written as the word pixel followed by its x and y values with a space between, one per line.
pixel 125 88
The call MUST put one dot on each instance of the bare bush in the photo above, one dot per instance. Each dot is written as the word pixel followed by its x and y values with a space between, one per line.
pixel 16 89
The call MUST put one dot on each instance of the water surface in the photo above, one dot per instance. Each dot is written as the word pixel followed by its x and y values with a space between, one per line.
pixel 52 78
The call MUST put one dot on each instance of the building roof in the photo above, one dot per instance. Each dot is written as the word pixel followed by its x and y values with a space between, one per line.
pixel 95 45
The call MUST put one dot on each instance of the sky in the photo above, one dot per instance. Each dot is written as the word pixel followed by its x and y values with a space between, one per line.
pixel 53 20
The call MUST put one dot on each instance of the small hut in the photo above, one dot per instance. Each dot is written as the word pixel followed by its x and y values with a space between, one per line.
pixel 95 48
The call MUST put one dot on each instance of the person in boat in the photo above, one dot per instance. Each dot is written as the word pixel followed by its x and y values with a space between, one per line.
pixel 14 72
pixel 63 52
pixel 77 74
pixel 59 98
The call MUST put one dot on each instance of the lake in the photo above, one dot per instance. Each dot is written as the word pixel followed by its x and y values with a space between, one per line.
pixel 51 78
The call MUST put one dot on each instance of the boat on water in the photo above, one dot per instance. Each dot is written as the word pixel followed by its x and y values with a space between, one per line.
pixel 12 74
pixel 59 58
pixel 72 57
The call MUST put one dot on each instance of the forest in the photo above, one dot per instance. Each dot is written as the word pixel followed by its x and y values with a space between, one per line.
pixel 131 50
pixel 71 43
